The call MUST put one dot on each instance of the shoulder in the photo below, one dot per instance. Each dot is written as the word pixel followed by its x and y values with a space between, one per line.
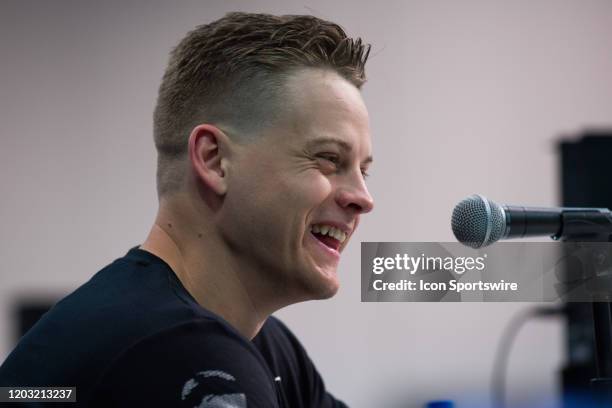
pixel 185 364
pixel 121 304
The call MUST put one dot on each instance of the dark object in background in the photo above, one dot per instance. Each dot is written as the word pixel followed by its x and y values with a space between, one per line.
pixel 27 312
pixel 440 404
pixel 586 181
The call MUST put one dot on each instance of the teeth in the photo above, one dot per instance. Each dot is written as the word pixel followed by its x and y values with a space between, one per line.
pixel 334 233
pixel 330 231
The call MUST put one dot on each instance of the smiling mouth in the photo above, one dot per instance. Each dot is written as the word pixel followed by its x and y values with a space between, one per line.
pixel 328 235
pixel 328 241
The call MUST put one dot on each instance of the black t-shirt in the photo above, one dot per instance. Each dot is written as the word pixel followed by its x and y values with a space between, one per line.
pixel 133 336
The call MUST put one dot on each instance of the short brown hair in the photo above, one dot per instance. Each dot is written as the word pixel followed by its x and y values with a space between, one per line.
pixel 232 71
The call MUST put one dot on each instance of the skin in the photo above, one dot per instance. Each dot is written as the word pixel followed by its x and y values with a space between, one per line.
pixel 238 235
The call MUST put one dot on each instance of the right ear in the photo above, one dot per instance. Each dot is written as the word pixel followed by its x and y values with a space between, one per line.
pixel 208 149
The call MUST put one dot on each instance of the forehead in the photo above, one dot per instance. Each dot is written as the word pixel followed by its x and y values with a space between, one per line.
pixel 323 105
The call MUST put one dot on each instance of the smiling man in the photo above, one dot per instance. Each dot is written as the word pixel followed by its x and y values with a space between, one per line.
pixel 263 146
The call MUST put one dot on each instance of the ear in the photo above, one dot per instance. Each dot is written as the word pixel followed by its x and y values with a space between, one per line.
pixel 208 149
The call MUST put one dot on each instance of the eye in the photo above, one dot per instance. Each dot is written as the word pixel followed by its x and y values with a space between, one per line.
pixel 330 157
pixel 365 173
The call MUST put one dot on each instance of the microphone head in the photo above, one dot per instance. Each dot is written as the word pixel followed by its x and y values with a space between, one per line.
pixel 478 222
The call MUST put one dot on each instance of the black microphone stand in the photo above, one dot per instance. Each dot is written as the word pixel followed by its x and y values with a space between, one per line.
pixel 583 228
pixel 602 384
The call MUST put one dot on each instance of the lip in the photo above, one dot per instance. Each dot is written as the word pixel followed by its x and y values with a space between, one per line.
pixel 330 252
pixel 346 228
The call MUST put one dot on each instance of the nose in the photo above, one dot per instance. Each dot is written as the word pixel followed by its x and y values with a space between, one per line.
pixel 354 195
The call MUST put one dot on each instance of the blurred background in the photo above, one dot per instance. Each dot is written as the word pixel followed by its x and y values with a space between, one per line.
pixel 464 97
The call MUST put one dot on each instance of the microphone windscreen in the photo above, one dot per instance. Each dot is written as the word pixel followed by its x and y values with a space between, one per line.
pixel 478 222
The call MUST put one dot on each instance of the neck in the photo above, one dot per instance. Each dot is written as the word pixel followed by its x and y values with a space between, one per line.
pixel 207 271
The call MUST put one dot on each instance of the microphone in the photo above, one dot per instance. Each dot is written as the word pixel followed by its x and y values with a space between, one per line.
pixel 478 222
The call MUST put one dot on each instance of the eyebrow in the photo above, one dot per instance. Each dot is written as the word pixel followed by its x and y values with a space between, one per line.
pixel 339 142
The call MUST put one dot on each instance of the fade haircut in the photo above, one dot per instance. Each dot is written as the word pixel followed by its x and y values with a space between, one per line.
pixel 232 72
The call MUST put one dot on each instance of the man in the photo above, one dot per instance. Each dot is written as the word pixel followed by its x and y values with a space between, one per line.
pixel 263 145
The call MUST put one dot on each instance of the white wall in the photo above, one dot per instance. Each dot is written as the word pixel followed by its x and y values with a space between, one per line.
pixel 464 97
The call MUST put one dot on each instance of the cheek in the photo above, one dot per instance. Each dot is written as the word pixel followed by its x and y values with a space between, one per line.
pixel 275 202
pixel 311 188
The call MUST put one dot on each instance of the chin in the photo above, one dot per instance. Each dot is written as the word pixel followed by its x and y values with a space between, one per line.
pixel 328 293
pixel 322 288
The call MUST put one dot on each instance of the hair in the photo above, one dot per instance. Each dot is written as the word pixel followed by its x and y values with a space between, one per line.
pixel 233 70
